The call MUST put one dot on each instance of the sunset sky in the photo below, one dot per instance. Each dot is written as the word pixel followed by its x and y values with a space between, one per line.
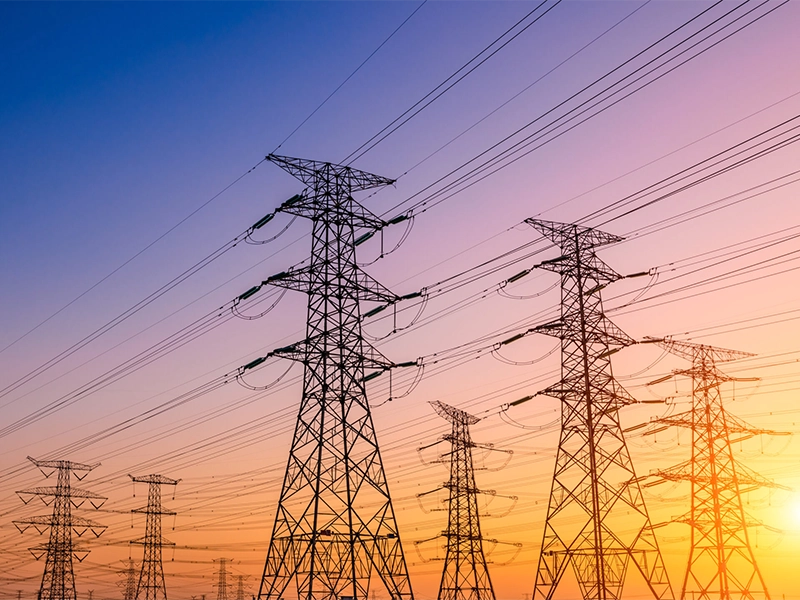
pixel 133 138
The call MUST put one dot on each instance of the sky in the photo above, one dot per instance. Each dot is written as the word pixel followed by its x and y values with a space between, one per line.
pixel 132 139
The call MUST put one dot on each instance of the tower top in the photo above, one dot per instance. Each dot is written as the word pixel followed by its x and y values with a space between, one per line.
pixel 312 171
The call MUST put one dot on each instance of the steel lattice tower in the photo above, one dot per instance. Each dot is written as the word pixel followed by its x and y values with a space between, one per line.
pixel 58 580
pixel 596 516
pixel 128 585
pixel 465 575
pixel 721 560
pixel 151 585
pixel 222 581
pixel 335 524
pixel 240 587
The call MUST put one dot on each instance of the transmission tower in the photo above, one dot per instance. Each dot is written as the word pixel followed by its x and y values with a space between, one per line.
pixel 335 524
pixel 465 575
pixel 597 520
pixel 721 560
pixel 240 587
pixel 58 580
pixel 151 585
pixel 128 584
pixel 222 581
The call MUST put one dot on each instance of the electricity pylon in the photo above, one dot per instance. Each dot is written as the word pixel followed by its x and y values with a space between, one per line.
pixel 151 585
pixel 465 575
pixel 721 560
pixel 597 520
pixel 240 587
pixel 222 580
pixel 335 524
pixel 58 580
pixel 128 584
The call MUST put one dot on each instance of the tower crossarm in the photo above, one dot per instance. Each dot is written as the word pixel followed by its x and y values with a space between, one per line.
pixel 746 479
pixel 697 352
pixel 150 511
pixel 159 479
pixel 41 522
pixel 604 331
pixel 590 238
pixel 732 424
pixel 72 493
pixel 453 414
pixel 311 171
pixel 63 464
pixel 370 357
pixel 363 287
pixel 160 540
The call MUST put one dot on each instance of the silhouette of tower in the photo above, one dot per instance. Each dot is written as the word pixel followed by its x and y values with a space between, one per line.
pixel 58 580
pixel 465 575
pixel 222 580
pixel 128 583
pixel 335 524
pixel 721 560
pixel 240 587
pixel 151 585
pixel 597 520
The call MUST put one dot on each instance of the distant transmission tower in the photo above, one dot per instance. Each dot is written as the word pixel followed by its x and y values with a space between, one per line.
pixel 721 560
pixel 128 584
pixel 597 520
pixel 58 580
pixel 222 581
pixel 240 587
pixel 465 575
pixel 151 585
pixel 335 524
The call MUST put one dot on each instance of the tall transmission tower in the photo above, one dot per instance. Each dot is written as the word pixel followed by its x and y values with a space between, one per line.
pixel 597 520
pixel 58 580
pixel 721 559
pixel 151 585
pixel 335 524
pixel 128 583
pixel 240 587
pixel 222 580
pixel 465 575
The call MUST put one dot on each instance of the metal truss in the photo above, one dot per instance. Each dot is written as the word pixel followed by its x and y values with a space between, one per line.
pixel 151 585
pixel 128 584
pixel 58 580
pixel 465 575
pixel 721 561
pixel 335 525
pixel 597 520
pixel 222 580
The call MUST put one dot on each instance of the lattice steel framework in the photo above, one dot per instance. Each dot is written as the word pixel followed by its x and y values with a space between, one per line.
pixel 240 587
pixel 597 520
pixel 58 580
pixel 151 585
pixel 335 524
pixel 128 584
pixel 465 575
pixel 222 580
pixel 721 561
